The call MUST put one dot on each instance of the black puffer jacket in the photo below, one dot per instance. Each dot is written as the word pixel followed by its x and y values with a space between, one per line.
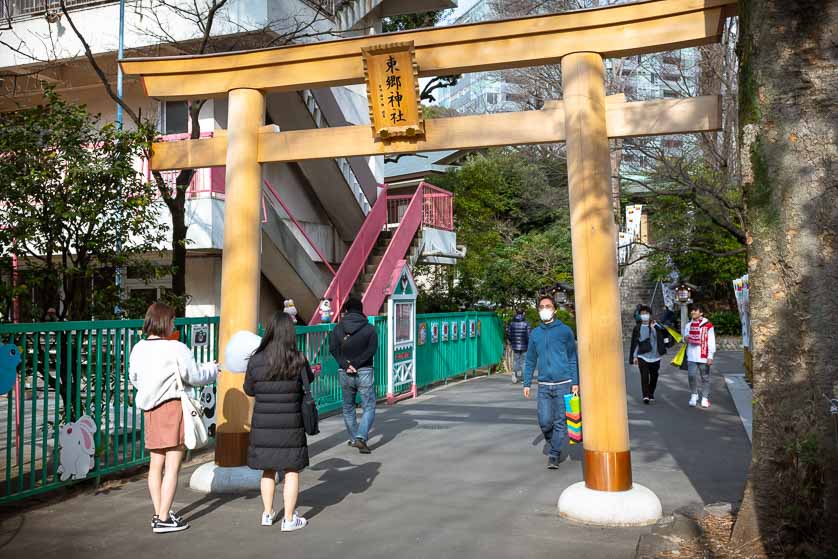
pixel 277 438
pixel 353 341
pixel 518 332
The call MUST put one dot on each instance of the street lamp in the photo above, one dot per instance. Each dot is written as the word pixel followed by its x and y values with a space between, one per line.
pixel 561 297
pixel 682 295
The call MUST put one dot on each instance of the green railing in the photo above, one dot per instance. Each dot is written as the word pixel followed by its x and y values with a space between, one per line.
pixel 69 370
pixel 446 357
pixel 72 369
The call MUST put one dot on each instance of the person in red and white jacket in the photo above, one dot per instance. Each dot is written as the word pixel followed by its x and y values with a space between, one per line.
pixel 701 346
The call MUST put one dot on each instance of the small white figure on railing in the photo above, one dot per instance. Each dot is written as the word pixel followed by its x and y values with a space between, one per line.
pixel 75 457
pixel 325 310
pixel 290 309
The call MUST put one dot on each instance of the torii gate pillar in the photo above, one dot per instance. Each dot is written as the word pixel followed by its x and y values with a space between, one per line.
pixel 607 496
pixel 240 276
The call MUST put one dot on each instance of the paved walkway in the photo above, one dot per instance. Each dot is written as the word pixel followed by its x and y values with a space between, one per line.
pixel 458 472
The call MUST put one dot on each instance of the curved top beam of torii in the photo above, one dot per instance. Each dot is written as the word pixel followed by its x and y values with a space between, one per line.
pixel 615 31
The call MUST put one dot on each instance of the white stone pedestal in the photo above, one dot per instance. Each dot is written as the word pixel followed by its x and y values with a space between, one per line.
pixel 636 507
pixel 210 478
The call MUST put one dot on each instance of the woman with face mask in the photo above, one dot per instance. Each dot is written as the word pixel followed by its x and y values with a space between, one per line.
pixel 649 341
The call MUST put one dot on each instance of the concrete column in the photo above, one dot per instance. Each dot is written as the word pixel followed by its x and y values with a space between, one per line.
pixel 240 265
pixel 607 495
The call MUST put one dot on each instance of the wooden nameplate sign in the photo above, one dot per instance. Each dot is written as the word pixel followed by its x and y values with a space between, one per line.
pixel 392 78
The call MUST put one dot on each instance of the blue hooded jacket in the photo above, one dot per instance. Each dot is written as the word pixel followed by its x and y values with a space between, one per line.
pixel 553 350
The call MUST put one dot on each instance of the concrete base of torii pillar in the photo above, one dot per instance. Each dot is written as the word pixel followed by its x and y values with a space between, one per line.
pixel 212 478
pixel 638 506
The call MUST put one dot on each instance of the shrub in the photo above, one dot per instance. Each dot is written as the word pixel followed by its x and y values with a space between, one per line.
pixel 726 323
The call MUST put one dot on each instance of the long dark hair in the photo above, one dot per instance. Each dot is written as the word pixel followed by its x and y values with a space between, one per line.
pixel 279 344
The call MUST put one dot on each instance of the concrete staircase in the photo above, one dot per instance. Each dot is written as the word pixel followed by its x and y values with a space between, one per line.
pixel 637 287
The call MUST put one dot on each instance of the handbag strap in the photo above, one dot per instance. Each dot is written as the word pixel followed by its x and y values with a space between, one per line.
pixel 178 379
pixel 306 384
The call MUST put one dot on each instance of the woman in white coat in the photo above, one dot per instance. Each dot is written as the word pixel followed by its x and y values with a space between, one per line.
pixel 153 367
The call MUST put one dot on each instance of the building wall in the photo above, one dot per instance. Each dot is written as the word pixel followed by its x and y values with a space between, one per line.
pixel 99 24
pixel 203 283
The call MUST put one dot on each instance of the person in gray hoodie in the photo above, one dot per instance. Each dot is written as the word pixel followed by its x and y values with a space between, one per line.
pixel 353 344
pixel 552 349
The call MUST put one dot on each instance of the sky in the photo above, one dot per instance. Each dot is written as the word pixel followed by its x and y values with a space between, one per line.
pixel 462 7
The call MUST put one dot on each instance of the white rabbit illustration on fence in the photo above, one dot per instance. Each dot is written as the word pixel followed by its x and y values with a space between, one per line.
pixel 75 456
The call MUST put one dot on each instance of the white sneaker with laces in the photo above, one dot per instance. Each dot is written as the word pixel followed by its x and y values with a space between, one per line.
pixel 705 403
pixel 693 400
pixel 296 523
pixel 268 519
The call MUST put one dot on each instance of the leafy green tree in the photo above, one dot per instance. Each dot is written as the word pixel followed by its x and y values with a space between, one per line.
pixel 515 224
pixel 74 208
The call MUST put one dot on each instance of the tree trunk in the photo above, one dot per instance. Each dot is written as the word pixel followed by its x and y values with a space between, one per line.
pixel 789 138
pixel 177 208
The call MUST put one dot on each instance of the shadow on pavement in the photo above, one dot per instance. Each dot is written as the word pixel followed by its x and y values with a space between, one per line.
pixel 338 480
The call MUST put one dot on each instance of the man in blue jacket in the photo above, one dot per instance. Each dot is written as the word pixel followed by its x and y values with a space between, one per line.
pixel 518 334
pixel 553 350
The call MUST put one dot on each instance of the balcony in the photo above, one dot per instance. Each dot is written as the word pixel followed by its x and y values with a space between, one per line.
pixel 29 8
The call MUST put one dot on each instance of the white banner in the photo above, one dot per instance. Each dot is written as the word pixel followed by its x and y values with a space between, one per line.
pixel 741 288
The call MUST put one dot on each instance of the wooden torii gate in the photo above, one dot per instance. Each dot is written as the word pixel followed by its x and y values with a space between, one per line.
pixel 584 120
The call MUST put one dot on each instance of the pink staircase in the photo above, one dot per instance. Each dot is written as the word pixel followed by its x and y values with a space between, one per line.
pixel 376 251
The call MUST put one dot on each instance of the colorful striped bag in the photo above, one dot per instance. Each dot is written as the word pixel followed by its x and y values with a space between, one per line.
pixel 573 413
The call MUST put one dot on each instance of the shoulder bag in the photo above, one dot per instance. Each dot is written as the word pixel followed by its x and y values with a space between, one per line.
pixel 195 433
pixel 309 408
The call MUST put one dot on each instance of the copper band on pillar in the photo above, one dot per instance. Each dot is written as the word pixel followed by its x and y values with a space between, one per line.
pixel 608 471
pixel 231 449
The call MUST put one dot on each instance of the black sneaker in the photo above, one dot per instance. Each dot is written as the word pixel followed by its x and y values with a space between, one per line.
pixel 646 401
pixel 172 515
pixel 362 447
pixel 170 525
pixel 553 463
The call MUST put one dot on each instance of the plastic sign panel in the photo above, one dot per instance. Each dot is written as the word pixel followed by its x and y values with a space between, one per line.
pixel 392 78
pixel 200 335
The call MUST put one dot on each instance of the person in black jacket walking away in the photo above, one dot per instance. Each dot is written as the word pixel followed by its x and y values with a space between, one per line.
pixel 518 333
pixel 649 341
pixel 277 437
pixel 353 344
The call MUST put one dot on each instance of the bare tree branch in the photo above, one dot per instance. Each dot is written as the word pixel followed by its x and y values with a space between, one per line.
pixel 98 69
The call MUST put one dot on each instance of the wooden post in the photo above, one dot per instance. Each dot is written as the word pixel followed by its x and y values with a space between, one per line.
pixel 602 375
pixel 240 266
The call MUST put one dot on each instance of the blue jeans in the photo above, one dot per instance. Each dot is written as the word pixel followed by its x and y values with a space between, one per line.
pixel 551 415
pixel 518 364
pixel 364 383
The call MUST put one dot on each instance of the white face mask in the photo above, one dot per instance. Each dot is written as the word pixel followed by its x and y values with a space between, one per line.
pixel 645 317
pixel 546 314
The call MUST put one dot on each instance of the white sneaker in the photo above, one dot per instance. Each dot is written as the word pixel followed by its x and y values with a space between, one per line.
pixel 705 403
pixel 268 519
pixel 693 400
pixel 297 523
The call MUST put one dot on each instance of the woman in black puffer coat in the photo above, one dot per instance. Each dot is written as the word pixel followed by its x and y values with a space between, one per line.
pixel 277 437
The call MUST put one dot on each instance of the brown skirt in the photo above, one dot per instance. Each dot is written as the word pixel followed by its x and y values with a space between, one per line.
pixel 164 426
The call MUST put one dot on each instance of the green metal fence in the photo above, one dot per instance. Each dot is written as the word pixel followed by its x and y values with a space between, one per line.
pixel 72 369
pixel 69 370
pixel 440 357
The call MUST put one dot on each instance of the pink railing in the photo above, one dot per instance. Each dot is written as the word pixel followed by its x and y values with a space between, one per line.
pixel 356 258
pixel 208 180
pixel 437 208
pixel 408 226
pixel 396 206
pixel 311 243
